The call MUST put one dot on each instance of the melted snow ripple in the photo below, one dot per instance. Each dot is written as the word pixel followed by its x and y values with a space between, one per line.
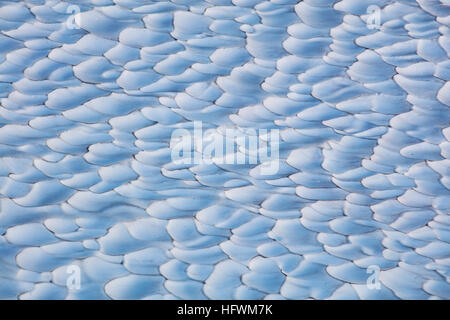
pixel 87 184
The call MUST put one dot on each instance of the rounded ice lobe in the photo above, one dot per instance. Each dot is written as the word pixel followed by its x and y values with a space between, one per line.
pixel 29 234
pixel 347 101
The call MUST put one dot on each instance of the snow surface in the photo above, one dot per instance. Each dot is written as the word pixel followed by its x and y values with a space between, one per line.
pixel 89 103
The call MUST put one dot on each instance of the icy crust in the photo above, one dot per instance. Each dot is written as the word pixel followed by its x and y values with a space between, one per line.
pixel 86 176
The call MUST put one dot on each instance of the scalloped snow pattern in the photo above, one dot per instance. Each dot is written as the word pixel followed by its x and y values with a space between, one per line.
pixel 88 105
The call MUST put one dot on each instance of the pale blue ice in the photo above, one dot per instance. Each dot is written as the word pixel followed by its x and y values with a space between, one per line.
pixel 93 205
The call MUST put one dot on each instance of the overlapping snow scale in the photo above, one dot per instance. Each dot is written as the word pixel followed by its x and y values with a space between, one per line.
pixel 87 179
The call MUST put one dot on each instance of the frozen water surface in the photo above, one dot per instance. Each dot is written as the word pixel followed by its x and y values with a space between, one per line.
pixel 92 91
